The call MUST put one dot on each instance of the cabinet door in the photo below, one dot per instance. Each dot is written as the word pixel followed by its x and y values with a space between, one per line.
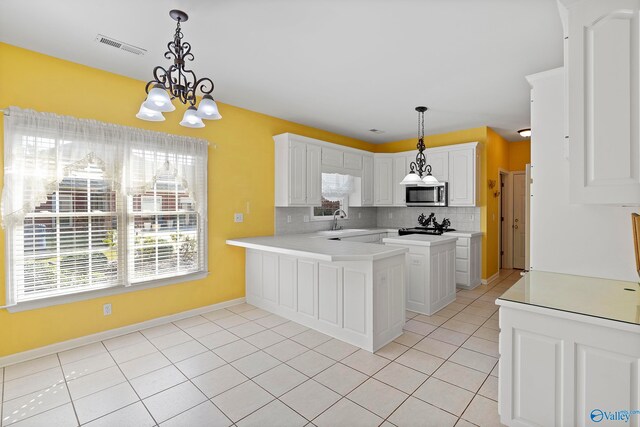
pixel 603 105
pixel 314 175
pixel 399 172
pixel 353 161
pixel 331 157
pixel 462 177
pixel 383 181
pixel 367 181
pixel 439 162
pixel 297 173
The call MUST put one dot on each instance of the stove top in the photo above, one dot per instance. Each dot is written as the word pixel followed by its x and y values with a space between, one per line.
pixel 424 230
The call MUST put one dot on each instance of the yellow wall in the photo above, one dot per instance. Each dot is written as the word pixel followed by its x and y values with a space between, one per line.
pixel 241 170
pixel 519 155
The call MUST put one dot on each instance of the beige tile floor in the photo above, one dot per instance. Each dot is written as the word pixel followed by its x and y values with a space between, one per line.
pixel 244 366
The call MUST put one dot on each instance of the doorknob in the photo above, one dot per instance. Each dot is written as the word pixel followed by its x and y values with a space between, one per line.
pixel 515 226
pixel 516 220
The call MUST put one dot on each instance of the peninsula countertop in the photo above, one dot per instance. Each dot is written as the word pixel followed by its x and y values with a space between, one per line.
pixel 599 298
pixel 320 249
pixel 421 240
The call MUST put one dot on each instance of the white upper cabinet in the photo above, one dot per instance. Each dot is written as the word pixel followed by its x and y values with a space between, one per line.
pixel 332 157
pixel 439 161
pixel 400 169
pixel 383 181
pixel 367 180
pixel 352 161
pixel 603 73
pixel 314 175
pixel 462 175
pixel 298 173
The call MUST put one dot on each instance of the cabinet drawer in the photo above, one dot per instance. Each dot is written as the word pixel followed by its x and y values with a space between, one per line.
pixel 353 161
pixel 462 252
pixel 462 265
pixel 331 157
pixel 462 241
pixel 462 278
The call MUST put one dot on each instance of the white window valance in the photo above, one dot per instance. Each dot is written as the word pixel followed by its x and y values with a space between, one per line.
pixel 336 186
pixel 41 148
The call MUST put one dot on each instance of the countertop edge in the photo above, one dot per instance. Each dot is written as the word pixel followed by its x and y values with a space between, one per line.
pixel 401 241
pixel 569 315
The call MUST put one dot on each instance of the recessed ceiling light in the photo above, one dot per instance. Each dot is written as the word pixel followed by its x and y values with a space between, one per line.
pixel 378 131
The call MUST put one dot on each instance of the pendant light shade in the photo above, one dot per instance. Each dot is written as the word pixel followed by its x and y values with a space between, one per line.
pixel 412 178
pixel 208 109
pixel 430 180
pixel 191 119
pixel 159 100
pixel 149 115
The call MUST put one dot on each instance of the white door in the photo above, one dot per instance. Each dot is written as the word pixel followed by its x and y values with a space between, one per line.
pixel 399 172
pixel 519 220
pixel 383 181
pixel 314 175
pixel 297 173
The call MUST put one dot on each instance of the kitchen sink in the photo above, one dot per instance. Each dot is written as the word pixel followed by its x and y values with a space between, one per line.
pixel 338 232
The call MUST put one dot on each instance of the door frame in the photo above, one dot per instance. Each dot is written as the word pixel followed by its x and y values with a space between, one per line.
pixel 505 239
pixel 524 174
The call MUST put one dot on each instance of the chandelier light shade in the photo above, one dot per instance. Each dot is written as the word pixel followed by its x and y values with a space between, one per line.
pixel 525 133
pixel 149 115
pixel 179 82
pixel 420 172
pixel 191 118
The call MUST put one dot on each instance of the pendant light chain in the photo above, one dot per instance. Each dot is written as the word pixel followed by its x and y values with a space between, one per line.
pixel 419 171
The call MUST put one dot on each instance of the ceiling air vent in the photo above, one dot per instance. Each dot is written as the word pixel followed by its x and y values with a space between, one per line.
pixel 378 131
pixel 120 45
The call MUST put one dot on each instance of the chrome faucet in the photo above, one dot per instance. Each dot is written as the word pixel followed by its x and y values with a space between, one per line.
pixel 335 219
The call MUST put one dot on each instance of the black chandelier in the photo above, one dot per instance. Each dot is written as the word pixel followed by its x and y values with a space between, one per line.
pixel 179 82
pixel 420 171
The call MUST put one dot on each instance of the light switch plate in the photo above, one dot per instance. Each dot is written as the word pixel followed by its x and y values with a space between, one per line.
pixel 238 217
pixel 106 309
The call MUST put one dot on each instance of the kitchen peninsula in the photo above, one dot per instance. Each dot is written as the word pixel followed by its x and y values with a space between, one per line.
pixel 349 290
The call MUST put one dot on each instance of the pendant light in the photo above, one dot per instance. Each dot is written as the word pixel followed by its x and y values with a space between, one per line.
pixel 179 82
pixel 420 166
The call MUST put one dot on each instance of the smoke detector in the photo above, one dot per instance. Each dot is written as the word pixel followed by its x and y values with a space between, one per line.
pixel 120 45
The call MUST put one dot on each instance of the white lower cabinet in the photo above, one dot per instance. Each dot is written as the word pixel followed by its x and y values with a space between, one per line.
pixel 565 369
pixel 360 302
pixel 430 276
pixel 469 261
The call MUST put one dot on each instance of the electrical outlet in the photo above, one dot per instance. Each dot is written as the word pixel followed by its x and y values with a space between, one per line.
pixel 238 217
pixel 106 309
pixel 472 217
pixel 359 215
pixel 289 219
pixel 306 218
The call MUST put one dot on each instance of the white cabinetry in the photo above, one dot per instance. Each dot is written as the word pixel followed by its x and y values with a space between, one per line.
pixel 314 175
pixel 603 73
pixel 332 157
pixel 462 175
pixel 352 161
pixel 383 181
pixel 360 302
pixel 438 159
pixel 556 368
pixel 468 261
pixel 400 170
pixel 297 174
pixel 367 180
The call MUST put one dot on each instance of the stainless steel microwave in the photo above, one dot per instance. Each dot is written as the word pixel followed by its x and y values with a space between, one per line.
pixel 427 196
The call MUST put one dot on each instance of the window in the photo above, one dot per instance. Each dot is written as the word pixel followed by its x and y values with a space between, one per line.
pixel 336 191
pixel 89 206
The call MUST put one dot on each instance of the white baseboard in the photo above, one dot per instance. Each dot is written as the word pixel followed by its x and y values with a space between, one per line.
pixel 490 279
pixel 111 333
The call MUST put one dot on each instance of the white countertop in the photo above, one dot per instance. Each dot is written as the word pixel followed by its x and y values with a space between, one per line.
pixel 347 232
pixel 421 240
pixel 463 233
pixel 606 299
pixel 320 249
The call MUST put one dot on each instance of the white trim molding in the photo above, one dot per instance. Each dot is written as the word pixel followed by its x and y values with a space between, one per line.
pixel 111 333
pixel 490 279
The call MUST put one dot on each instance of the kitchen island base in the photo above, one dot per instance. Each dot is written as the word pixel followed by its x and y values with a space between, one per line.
pixel 359 302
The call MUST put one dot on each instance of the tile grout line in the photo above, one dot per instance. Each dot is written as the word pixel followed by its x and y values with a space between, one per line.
pixel 66 385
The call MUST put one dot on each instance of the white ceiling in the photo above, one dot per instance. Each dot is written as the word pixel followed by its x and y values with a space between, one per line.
pixel 345 66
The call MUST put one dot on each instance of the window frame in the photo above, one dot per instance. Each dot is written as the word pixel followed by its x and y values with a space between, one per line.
pixel 125 222
pixel 344 205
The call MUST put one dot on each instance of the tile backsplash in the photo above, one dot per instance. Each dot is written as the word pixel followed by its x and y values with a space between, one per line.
pixel 467 219
pixel 358 218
